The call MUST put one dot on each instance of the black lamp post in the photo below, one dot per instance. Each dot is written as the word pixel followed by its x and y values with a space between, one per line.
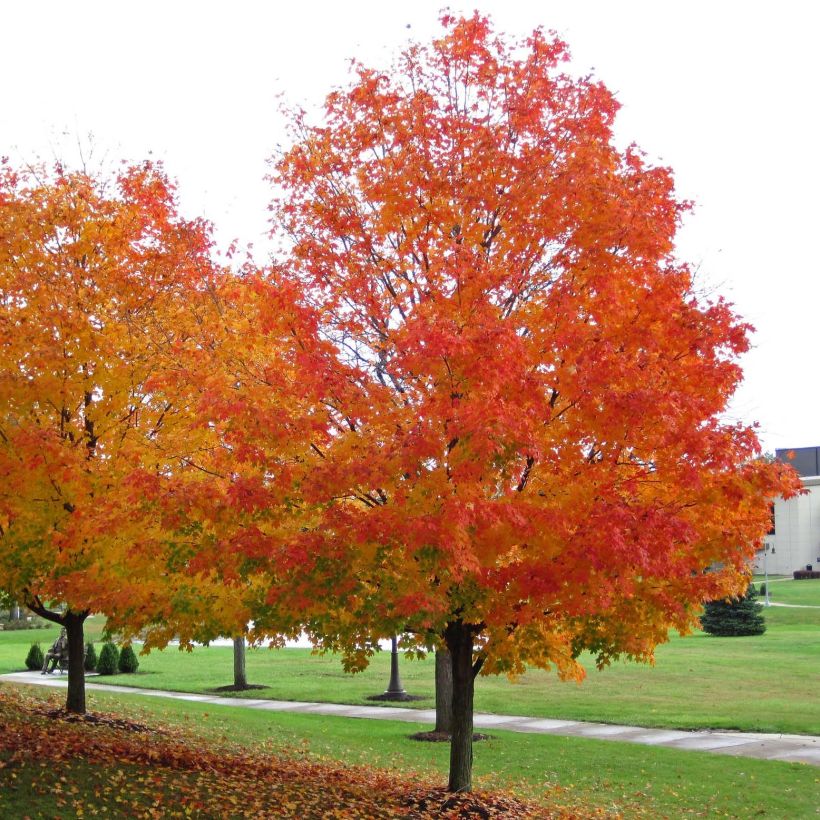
pixel 394 691
pixel 394 688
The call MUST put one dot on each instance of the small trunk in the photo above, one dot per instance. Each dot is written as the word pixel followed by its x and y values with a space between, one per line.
pixel 75 698
pixel 459 639
pixel 240 679
pixel 444 692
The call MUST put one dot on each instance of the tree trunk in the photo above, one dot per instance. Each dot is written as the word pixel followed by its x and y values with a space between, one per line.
pixel 459 639
pixel 73 623
pixel 75 698
pixel 394 686
pixel 240 678
pixel 444 692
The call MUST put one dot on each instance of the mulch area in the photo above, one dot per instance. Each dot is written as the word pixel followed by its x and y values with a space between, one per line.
pixel 444 737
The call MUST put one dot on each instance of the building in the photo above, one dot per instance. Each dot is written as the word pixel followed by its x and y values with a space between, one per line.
pixel 794 539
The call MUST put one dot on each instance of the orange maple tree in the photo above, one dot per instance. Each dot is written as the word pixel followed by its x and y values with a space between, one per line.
pixel 97 279
pixel 533 461
pixel 252 374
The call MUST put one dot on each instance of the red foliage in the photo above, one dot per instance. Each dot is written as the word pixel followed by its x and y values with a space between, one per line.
pixel 533 444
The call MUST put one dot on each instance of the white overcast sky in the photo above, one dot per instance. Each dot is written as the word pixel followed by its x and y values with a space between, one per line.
pixel 723 91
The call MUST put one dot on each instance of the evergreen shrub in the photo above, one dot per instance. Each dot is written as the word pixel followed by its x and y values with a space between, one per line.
pixel 108 660
pixel 128 660
pixel 735 616
pixel 35 658
pixel 90 663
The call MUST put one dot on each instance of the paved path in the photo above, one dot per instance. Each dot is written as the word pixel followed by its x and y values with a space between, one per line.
pixel 791 748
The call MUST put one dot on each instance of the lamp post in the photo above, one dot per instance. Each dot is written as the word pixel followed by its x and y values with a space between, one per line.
pixel 395 688
pixel 766 548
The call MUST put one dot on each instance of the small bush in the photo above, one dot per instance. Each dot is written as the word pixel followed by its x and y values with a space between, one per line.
pixel 762 591
pixel 128 660
pixel 12 626
pixel 25 622
pixel 109 659
pixel 90 663
pixel 34 659
pixel 735 616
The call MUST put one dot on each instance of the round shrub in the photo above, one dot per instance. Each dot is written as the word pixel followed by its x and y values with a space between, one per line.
pixel 128 660
pixel 108 660
pixel 34 659
pixel 90 662
pixel 735 616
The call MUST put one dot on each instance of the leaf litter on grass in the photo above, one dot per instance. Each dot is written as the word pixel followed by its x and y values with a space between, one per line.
pixel 108 765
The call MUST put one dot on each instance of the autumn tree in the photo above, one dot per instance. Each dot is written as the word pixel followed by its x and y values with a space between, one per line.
pixel 535 461
pixel 251 371
pixel 95 279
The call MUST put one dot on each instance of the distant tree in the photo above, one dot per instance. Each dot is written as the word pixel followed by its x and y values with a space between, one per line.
pixel 240 676
pixel 734 616
pixel 208 531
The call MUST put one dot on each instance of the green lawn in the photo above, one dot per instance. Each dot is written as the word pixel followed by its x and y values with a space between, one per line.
pixel 624 779
pixel 764 683
pixel 805 592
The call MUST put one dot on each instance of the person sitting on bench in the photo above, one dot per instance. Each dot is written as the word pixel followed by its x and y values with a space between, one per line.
pixel 59 650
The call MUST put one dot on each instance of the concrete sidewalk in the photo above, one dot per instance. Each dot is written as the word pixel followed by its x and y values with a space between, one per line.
pixel 791 748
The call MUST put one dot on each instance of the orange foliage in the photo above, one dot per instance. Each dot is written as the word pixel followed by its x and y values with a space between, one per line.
pixel 535 447
pixel 94 282
pixel 157 412
pixel 208 531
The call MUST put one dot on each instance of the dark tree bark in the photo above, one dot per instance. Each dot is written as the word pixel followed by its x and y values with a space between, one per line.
pixel 459 638
pixel 75 698
pixel 73 623
pixel 444 692
pixel 240 678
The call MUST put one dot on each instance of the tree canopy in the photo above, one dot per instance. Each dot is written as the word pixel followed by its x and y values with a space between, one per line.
pixel 96 276
pixel 536 460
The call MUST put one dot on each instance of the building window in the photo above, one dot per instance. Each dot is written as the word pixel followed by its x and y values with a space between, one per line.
pixel 771 513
